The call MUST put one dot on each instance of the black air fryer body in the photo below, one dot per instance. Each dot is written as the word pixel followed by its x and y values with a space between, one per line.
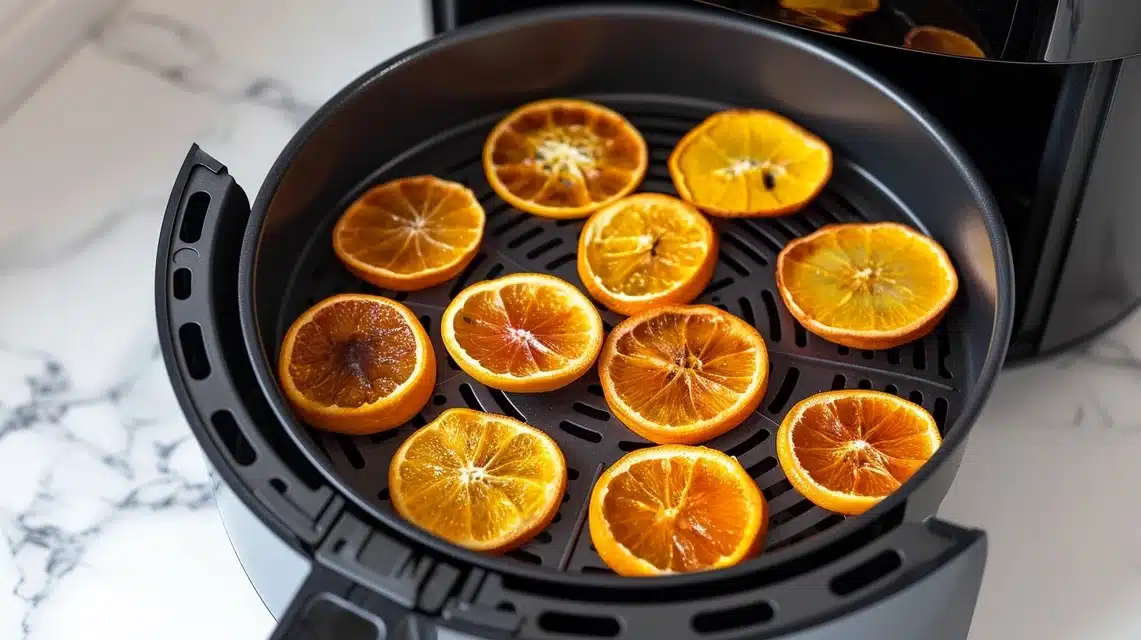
pixel 232 275
pixel 1057 140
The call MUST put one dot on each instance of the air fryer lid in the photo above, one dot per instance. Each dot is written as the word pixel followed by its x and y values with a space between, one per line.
pixel 427 112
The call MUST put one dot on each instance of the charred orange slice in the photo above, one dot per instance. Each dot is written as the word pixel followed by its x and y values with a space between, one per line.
pixel 866 285
pixel 676 509
pixel 683 374
pixel 410 234
pixel 646 250
pixel 357 364
pixel 940 40
pixel 478 480
pixel 749 163
pixel 847 450
pixel 525 332
pixel 564 158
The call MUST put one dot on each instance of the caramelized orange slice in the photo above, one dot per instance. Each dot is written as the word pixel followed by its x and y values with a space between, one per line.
pixel 646 250
pixel 749 163
pixel 866 285
pixel 357 364
pixel 410 234
pixel 683 374
pixel 676 509
pixel 940 40
pixel 478 480
pixel 525 332
pixel 847 450
pixel 564 158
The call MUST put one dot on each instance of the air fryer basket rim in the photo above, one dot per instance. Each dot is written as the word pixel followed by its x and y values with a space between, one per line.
pixel 956 433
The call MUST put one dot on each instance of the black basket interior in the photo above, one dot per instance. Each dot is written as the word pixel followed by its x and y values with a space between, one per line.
pixel 927 371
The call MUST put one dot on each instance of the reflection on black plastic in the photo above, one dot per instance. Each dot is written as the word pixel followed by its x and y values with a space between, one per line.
pixel 325 619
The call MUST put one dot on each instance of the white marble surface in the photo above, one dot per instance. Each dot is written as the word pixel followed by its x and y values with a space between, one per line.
pixel 104 500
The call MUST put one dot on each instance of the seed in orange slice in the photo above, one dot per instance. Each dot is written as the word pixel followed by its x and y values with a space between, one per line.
pixel 940 40
pixel 676 509
pixel 646 250
pixel 749 163
pixel 357 364
pixel 478 480
pixel 683 374
pixel 847 450
pixel 410 234
pixel 524 332
pixel 866 285
pixel 564 158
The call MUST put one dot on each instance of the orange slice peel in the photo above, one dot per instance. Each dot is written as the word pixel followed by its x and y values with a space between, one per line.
pixel 676 509
pixel 646 250
pixel 410 234
pixel 482 481
pixel 357 364
pixel 847 450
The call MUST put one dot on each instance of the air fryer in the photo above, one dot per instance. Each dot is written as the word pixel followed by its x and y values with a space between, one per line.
pixel 231 277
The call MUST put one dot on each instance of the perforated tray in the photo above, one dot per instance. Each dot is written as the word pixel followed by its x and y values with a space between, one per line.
pixel 576 416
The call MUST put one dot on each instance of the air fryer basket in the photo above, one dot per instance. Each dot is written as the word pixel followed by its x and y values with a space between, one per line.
pixel 429 111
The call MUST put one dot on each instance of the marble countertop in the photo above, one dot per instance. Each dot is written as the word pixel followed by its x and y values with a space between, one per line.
pixel 106 506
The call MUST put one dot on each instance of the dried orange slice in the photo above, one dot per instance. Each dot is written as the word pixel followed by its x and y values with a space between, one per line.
pixel 866 285
pixel 675 509
pixel 853 8
pixel 847 450
pixel 525 332
pixel 818 19
pixel 940 40
pixel 357 364
pixel 683 374
pixel 410 234
pixel 564 158
pixel 478 480
pixel 749 163
pixel 646 250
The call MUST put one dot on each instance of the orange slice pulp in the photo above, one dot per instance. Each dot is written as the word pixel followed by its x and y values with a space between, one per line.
pixel 564 158
pixel 357 364
pixel 525 332
pixel 478 480
pixel 940 40
pixel 674 509
pixel 410 234
pixel 683 374
pixel 646 250
pixel 847 450
pixel 749 163
pixel 866 285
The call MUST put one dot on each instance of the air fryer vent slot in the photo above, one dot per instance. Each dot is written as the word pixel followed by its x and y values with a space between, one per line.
pixel 736 618
pixel 579 625
pixel 866 572
pixel 576 416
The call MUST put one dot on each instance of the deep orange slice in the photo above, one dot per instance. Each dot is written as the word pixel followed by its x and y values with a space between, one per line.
pixel 683 374
pixel 564 158
pixel 749 163
pixel 410 234
pixel 847 450
pixel 525 332
pixel 940 40
pixel 676 509
pixel 478 480
pixel 646 250
pixel 866 285
pixel 357 364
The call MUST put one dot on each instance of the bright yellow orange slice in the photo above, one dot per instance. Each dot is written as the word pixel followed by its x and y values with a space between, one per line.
pixel 749 163
pixel 676 509
pixel 525 332
pixel 847 450
pixel 478 480
pixel 866 285
pixel 564 158
pixel 357 364
pixel 683 374
pixel 410 234
pixel 646 250
pixel 940 40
